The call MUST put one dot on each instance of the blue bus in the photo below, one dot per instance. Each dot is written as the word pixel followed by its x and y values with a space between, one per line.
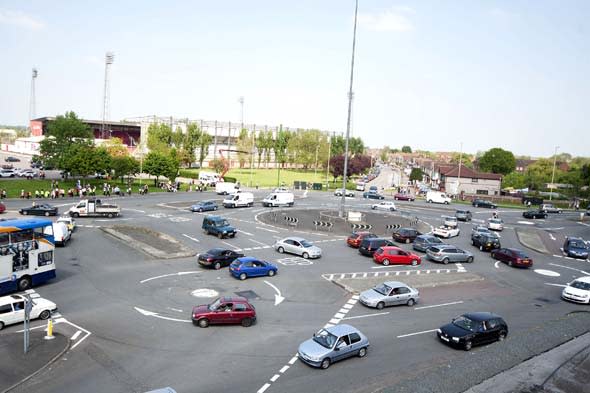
pixel 26 253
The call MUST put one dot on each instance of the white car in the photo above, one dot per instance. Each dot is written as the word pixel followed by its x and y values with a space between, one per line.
pixel 446 232
pixel 69 221
pixel 578 290
pixel 298 246
pixel 385 205
pixel 12 309
pixel 451 221
pixel 495 224
pixel 338 192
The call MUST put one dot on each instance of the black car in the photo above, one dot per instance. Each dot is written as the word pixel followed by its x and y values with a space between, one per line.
pixel 217 258
pixel 534 214
pixel 12 159
pixel 369 246
pixel 485 241
pixel 39 210
pixel 405 235
pixel 474 328
pixel 483 203
pixel 372 195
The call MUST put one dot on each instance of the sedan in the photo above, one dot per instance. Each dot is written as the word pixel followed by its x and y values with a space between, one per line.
pixel 385 205
pixel 298 246
pixel 578 290
pixel 332 344
pixel 204 206
pixel 372 195
pixel 446 232
pixel 446 253
pixel 473 329
pixel 390 293
pixel 39 210
pixel 387 255
pixel 246 267
pixel 404 197
pixel 463 215
pixel 217 258
pixel 534 214
pixel 483 203
pixel 512 257
pixel 225 310
pixel 354 240
pixel 338 192
pixel 12 159
pixel 13 309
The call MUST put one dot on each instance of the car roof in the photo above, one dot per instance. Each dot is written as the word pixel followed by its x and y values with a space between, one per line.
pixel 342 329
pixel 297 239
pixel 234 299
pixel 481 316
pixel 426 237
pixel 444 246
pixel 247 259
pixel 216 218
pixel 9 299
pixel 392 248
pixel 374 239
pixel 395 284
pixel 583 279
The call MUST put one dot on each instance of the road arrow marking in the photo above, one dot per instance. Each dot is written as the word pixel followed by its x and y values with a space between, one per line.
pixel 168 275
pixel 496 264
pixel 154 314
pixel 278 298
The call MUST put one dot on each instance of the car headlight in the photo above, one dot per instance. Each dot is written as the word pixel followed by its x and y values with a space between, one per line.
pixel 224 231
pixel 438 331
pixel 456 339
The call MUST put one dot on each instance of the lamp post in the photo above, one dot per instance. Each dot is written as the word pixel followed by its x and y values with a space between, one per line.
pixel 350 94
pixel 553 173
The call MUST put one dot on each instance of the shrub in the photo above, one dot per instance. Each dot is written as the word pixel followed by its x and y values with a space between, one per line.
pixel 188 173
pixel 230 179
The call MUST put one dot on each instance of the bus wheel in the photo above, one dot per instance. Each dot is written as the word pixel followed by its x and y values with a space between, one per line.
pixel 24 283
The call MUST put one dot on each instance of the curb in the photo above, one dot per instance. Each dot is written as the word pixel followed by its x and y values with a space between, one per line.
pixel 146 248
pixel 524 242
pixel 49 363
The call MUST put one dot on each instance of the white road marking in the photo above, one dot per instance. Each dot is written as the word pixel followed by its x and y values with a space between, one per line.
pixel 135 210
pixel 274 378
pixel 190 237
pixel 414 334
pixel 549 273
pixel 556 285
pixel 526 222
pixel 558 256
pixel 263 388
pixel 230 245
pixel 259 243
pixel 552 237
pixel 496 265
pixel 245 233
pixel 571 268
pixel 583 223
pixel 155 314
pixel 439 305
pixel 266 229
pixel 76 335
pixel 366 315
pixel 168 275
pixel 293 360
pixel 278 297
pixel 285 368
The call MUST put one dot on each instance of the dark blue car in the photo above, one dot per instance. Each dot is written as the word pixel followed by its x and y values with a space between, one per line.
pixel 204 206
pixel 575 247
pixel 245 267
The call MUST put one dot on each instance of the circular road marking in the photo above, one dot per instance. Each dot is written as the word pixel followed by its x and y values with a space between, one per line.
pixel 549 273
pixel 204 292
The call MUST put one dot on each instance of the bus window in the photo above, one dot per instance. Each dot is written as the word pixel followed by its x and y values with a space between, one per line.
pixel 22 236
pixel 38 233
pixel 45 258
pixel 3 239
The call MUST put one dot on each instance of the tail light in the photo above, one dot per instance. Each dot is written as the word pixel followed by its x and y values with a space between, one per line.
pixel 209 259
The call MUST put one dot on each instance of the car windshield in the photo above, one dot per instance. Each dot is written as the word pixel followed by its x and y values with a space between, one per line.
pixel 496 221
pixel 465 323
pixel 434 240
pixel 222 223
pixel 325 338
pixel 215 305
pixel 306 244
pixel 382 289
pixel 577 244
pixel 581 285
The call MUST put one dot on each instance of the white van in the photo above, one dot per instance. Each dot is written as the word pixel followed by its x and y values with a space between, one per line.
pixel 239 199
pixel 224 188
pixel 61 233
pixel 279 199
pixel 209 178
pixel 437 197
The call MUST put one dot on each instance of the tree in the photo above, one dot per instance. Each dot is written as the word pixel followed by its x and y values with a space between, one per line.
pixel 497 160
pixel 177 138
pixel 539 173
pixel 356 146
pixel 358 164
pixel 337 145
pixel 63 133
pixel 217 165
pixel 159 137
pixel 192 140
pixel 384 154
pixel 245 144
pixel 204 142
pixel 337 166
pixel 416 174
pixel 406 149
pixel 124 166
pixel 268 145
pixel 115 147
pixel 84 160
pixel 515 180
pixel 466 159
pixel 160 164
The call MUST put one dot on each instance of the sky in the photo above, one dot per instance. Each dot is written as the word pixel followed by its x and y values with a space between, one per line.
pixel 433 75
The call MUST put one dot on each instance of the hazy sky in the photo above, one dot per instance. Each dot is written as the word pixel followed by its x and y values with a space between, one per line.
pixel 429 74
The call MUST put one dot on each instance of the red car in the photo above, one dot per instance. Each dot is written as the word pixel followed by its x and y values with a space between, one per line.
pixel 404 197
pixel 396 256
pixel 512 257
pixel 2 207
pixel 225 310
pixel 355 239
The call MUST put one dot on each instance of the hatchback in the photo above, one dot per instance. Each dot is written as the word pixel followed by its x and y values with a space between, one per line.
pixel 395 256
pixel 332 344
pixel 422 242
pixel 225 310
pixel 298 246
pixel 495 224
pixel 369 246
pixel 483 203
pixel 534 214
pixel 12 309
pixel 372 195
pixel 474 328
pixel 404 197
pixel 246 267
pixel 385 205
pixel 512 257
pixel 463 215
pixel 354 240
pixel 339 191
pixel 204 206
pixel 405 235
pixel 446 253
pixel 578 290
pixel 485 241
pixel 390 293
pixel 217 258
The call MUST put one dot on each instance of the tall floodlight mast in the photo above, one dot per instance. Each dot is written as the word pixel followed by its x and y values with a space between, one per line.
pixel 108 61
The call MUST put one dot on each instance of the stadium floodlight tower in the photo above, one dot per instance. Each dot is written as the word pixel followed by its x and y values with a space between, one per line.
pixel 108 61
pixel 32 103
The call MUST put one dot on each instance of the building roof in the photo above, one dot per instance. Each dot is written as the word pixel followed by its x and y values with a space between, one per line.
pixel 110 122
pixel 453 171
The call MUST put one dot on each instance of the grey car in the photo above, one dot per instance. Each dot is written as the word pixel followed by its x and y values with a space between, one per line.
pixel 298 246
pixel 390 293
pixel 463 215
pixel 446 253
pixel 422 242
pixel 332 344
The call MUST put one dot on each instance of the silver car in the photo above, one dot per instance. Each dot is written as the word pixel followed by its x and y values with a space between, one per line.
pixel 332 344
pixel 298 246
pixel 390 293
pixel 446 253
pixel 340 191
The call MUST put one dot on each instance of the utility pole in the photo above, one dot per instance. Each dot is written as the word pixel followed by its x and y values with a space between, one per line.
pixel 329 157
pixel 33 103
pixel 350 94
pixel 460 160
pixel 108 61
pixel 553 173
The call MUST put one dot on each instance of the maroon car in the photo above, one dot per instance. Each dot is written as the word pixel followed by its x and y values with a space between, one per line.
pixel 512 256
pixel 225 310
pixel 404 197
pixel 2 207
pixel 405 235
pixel 355 239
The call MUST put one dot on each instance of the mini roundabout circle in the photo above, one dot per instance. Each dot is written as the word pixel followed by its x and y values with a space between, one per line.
pixel 205 292
pixel 548 273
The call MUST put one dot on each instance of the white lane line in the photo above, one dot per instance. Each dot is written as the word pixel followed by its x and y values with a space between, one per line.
pixel 263 388
pixel 558 256
pixel 556 285
pixel 245 233
pixel 285 368
pixel 274 378
pixel 343 310
pixel 339 315
pixel 496 265
pixel 293 360
pixel 76 335
pixel 414 334
pixel 438 305
pixel 135 210
pixel 335 321
pixel 259 243
pixel 190 237
pixel 348 306
pixel 168 275
pixel 571 268
pixel 266 229
pixel 366 315
pixel 230 245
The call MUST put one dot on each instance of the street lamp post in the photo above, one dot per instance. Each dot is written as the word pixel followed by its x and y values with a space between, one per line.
pixel 553 173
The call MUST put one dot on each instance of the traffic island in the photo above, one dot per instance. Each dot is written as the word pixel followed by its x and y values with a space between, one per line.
pixel 16 367
pixel 155 244
pixel 532 239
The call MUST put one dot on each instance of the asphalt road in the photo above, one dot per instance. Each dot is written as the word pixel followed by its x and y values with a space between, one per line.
pixel 133 311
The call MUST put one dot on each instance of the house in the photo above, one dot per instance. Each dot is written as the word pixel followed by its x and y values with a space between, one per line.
pixel 521 165
pixel 455 180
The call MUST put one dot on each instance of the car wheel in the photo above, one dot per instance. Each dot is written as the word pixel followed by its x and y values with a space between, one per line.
pixel 1 325
pixel 386 262
pixel 411 302
pixel 214 207
pixel 75 215
pixel 468 345
pixel 46 214
pixel 325 363
pixel 24 283
pixel 362 352
pixel 392 209
pixel 203 323
pixel 510 263
pixel 305 255
pixel 200 210
pixel 445 261
pixel 45 314
pixel 380 305
pixel 407 241
pixel 243 276
pixel 470 260
pixel 217 266
pixel 247 322
pixel 281 250
pixel 414 262
pixel 395 198
pixel 220 235
pixel 480 248
pixel 446 203
pixel 25 212
pixel 373 207
pixel 271 273
pixel 502 336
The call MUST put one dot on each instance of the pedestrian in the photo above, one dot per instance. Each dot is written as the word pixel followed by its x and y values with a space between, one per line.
pixel 46 194
pixel 22 194
pixel 3 194
pixel 28 194
pixel 36 193
pixel 129 190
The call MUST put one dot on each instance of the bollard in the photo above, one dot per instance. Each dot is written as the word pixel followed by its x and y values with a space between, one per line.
pixel 581 216
pixel 49 335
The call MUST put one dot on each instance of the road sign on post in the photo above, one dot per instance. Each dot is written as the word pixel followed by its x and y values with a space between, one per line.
pixel 28 308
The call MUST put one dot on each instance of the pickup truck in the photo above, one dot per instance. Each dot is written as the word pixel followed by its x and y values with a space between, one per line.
pixel 94 208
